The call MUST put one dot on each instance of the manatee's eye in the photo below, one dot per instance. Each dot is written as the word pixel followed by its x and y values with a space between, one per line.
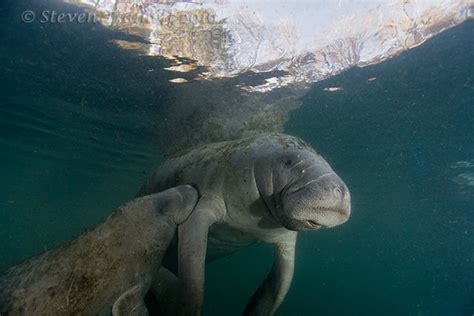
pixel 289 163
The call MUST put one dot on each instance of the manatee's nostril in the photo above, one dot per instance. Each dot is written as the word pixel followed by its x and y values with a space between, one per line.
pixel 338 192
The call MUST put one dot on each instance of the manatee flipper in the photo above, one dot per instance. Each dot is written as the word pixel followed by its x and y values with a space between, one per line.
pixel 272 291
pixel 131 302
pixel 192 245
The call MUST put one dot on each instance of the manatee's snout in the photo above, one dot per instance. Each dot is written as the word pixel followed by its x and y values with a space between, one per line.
pixel 323 201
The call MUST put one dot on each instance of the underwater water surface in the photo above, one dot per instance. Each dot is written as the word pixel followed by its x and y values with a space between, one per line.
pixel 77 139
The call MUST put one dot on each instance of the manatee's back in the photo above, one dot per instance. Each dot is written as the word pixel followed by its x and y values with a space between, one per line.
pixel 23 290
pixel 188 167
pixel 165 177
pixel 10 281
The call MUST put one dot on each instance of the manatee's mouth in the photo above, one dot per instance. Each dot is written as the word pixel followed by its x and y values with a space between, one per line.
pixel 313 224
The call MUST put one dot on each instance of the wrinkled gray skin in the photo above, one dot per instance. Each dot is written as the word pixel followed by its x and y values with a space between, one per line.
pixel 257 189
pixel 107 269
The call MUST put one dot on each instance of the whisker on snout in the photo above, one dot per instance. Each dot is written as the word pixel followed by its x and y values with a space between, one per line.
pixel 310 181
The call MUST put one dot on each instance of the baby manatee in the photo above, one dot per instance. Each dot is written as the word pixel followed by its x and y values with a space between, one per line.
pixel 107 269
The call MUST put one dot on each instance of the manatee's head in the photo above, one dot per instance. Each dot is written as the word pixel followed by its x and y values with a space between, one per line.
pixel 302 191
pixel 178 203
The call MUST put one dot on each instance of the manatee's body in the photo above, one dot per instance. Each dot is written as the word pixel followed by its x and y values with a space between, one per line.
pixel 106 269
pixel 253 189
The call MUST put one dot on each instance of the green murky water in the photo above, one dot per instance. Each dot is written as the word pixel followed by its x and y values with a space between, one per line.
pixel 77 139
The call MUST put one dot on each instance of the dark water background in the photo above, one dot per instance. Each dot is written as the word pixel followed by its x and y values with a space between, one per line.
pixel 77 139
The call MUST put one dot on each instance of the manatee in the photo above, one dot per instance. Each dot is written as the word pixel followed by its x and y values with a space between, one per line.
pixel 258 189
pixel 107 269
